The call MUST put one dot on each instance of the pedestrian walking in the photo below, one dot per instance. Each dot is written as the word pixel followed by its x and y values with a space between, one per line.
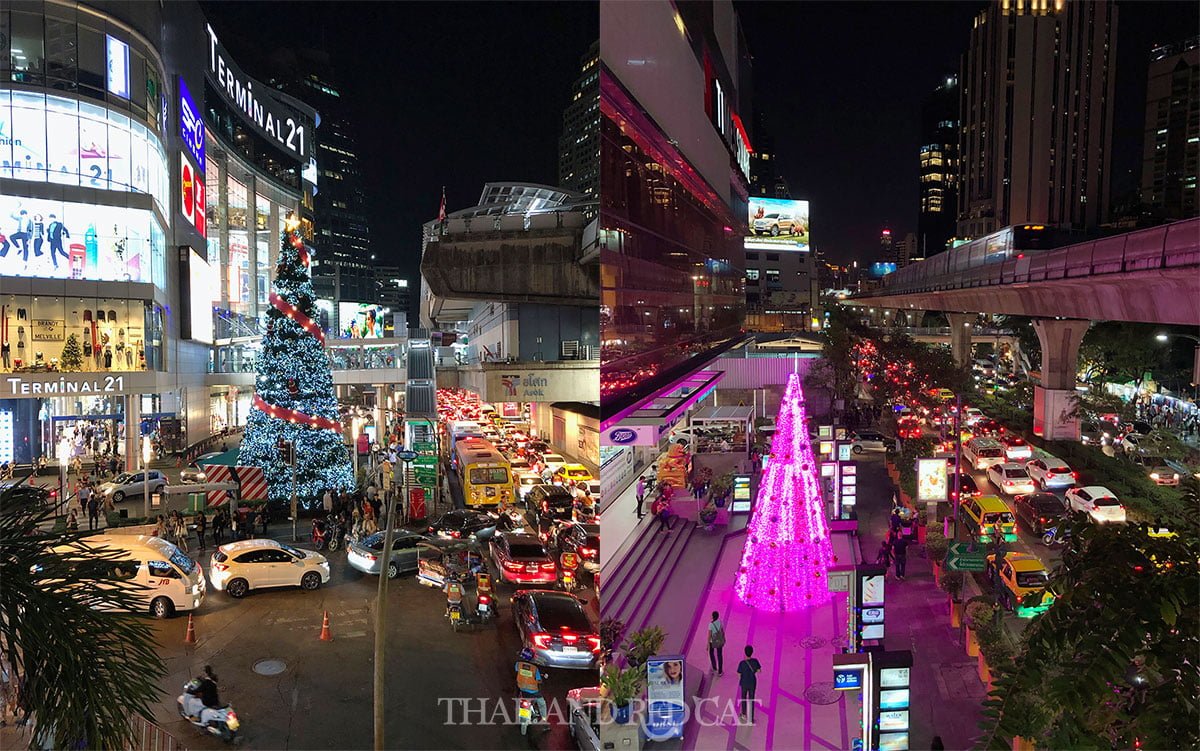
pixel 662 510
pixel 716 644
pixel 218 522
pixel 234 527
pixel 747 684
pixel 181 531
pixel 900 555
pixel 93 510
pixel 327 502
pixel 201 527
pixel 641 495
pixel 84 494
pixel 884 556
pixel 251 522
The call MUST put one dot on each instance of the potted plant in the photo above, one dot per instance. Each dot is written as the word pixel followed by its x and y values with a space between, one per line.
pixel 643 645
pixel 621 687
pixel 936 547
pixel 952 584
pixel 980 617
pixel 922 531
pixel 708 515
pixel 720 490
pixel 612 631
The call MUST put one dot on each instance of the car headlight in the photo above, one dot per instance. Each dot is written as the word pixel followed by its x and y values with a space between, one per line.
pixel 195 589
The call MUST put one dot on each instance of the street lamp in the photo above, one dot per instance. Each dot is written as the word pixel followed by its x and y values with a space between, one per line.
pixel 147 450
pixel 64 456
pixel 1163 336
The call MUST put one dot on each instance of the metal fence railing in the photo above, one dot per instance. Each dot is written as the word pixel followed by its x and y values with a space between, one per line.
pixel 150 737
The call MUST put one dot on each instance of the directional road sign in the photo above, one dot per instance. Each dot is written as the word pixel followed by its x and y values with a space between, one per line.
pixel 966 556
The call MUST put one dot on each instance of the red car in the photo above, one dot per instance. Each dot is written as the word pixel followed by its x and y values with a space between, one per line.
pixel 909 427
pixel 522 559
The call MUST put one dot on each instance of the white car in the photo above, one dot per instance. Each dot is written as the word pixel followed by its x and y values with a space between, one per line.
pixel 1050 473
pixel 132 485
pixel 527 481
pixel 554 461
pixel 1016 449
pixel 1158 470
pixel 972 415
pixel 868 440
pixel 585 704
pixel 1010 478
pixel 1099 502
pixel 241 566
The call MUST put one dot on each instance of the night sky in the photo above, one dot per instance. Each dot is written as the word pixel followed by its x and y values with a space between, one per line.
pixel 452 94
pixel 842 86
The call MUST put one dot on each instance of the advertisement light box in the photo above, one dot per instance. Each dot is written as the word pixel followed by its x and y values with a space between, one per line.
pixel 893 742
pixel 778 224
pixel 896 698
pixel 932 480
pixel 118 67
pixel 893 720
pixel 203 289
pixel 872 631
pixel 847 679
pixel 893 677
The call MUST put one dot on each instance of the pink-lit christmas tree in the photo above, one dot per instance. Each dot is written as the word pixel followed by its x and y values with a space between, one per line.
pixel 786 560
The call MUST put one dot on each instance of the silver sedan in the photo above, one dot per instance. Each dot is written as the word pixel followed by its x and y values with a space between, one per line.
pixel 365 554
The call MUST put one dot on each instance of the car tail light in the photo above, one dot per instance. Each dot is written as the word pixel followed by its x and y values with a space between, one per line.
pixel 1008 482
pixel 221 566
pixel 484 599
pixel 371 558
pixel 588 552
pixel 541 640
pixel 569 638
pixel 549 566
pixel 512 566
pixel 1074 475
pixel 595 642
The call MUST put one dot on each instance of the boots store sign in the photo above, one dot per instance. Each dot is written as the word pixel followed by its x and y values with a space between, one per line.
pixel 275 121
pixel 71 384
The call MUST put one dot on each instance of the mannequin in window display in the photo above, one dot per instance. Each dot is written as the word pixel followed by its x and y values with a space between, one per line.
pixel 108 358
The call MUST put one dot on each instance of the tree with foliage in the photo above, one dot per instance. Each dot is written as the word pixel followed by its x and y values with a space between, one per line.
pixel 71 359
pixel 87 664
pixel 1115 661
pixel 1121 352
pixel 294 397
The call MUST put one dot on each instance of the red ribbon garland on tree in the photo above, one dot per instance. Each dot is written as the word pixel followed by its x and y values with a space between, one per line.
pixel 306 323
pixel 291 415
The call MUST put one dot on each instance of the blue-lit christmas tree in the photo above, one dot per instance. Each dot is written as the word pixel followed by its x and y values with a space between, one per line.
pixel 294 399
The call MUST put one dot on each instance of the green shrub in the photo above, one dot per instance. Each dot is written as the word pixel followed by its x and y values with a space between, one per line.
pixel 936 545
pixel 952 583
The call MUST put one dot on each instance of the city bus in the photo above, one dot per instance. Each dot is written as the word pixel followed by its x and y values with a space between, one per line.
pixel 484 472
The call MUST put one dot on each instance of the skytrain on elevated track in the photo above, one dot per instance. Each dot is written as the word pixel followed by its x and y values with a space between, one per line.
pixel 1034 252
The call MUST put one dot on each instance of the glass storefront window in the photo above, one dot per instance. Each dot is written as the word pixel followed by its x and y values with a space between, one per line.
pixel 238 204
pixel 109 334
pixel 213 215
pixel 68 142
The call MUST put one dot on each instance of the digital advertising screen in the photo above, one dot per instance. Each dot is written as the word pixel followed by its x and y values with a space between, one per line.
pixel 203 287
pixel 63 240
pixel 47 138
pixel 879 270
pixel 778 224
pixel 933 482
pixel 360 320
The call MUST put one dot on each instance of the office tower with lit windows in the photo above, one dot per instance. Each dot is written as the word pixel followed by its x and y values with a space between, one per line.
pixel 1037 115
pixel 939 168
pixel 1172 142
pixel 765 179
pixel 579 145
pixel 343 270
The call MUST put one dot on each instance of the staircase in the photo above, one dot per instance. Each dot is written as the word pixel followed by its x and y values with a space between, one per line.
pixel 640 577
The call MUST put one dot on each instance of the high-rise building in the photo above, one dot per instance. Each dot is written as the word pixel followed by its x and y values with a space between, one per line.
pixel 393 293
pixel 765 179
pixel 939 168
pixel 675 166
pixel 1172 142
pixel 579 145
pixel 1037 112
pixel 887 249
pixel 343 271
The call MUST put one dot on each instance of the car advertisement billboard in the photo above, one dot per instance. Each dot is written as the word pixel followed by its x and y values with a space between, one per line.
pixel 778 224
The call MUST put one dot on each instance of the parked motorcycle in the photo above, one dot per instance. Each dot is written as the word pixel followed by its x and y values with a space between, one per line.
pixel 327 533
pixel 1055 537
pixel 220 721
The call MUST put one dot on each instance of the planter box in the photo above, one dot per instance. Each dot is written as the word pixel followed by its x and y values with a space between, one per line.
pixel 972 643
pixel 1022 744
pixel 921 533
pixel 937 572
pixel 955 613
pixel 985 674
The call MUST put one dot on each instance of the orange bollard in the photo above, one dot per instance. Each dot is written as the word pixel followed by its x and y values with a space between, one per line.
pixel 190 637
pixel 325 634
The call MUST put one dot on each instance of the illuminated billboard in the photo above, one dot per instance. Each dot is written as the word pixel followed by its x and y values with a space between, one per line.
pixel 778 224
pixel 203 286
pixel 65 240
pixel 360 320
pixel 933 484
pixel 47 138
pixel 879 270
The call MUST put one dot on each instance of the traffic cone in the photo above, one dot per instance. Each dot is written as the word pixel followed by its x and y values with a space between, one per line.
pixel 325 634
pixel 190 637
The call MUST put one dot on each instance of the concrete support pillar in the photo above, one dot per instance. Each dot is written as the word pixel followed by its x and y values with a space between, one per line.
pixel 960 336
pixel 133 432
pixel 1053 403
pixel 915 317
pixel 1060 340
